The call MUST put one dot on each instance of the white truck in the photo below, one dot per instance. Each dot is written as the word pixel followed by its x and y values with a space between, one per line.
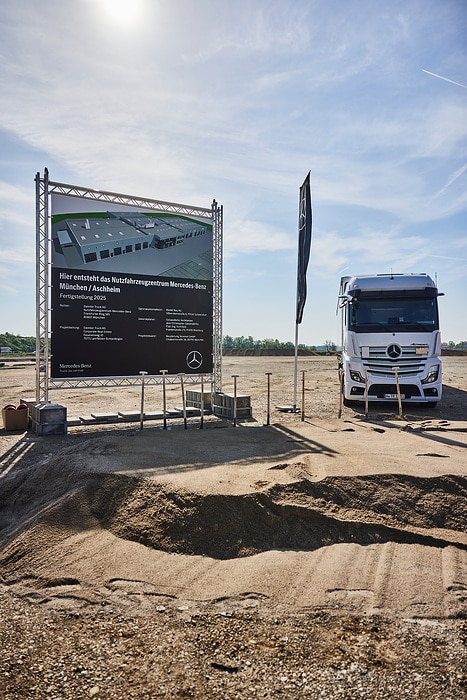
pixel 390 343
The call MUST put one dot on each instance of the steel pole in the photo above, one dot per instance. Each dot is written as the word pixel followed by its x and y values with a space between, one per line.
pixel 141 416
pixel 201 423
pixel 235 400
pixel 183 401
pixel 268 414
pixel 303 394
pixel 164 399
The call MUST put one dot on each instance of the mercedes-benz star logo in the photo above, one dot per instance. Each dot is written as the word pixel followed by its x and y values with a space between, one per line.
pixel 194 359
pixel 394 351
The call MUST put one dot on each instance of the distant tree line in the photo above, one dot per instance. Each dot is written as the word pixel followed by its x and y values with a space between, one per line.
pixel 17 343
pixel 455 346
pixel 25 345
pixel 249 343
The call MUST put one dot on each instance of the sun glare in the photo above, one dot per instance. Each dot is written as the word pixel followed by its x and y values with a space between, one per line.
pixel 122 11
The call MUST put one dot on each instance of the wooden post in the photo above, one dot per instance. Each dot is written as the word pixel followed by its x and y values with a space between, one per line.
pixel 341 391
pixel 398 389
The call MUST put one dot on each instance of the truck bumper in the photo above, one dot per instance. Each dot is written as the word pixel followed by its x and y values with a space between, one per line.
pixel 379 391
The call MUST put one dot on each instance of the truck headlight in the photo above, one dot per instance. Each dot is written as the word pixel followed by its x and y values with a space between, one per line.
pixel 356 376
pixel 432 375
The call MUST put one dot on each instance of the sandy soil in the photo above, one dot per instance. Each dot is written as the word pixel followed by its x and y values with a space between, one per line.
pixel 316 556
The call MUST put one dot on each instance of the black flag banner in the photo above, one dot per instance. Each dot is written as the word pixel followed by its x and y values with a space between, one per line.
pixel 304 244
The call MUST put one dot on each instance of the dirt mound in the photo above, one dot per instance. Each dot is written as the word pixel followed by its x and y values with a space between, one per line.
pixel 28 494
pixel 396 500
pixel 125 521
pixel 302 515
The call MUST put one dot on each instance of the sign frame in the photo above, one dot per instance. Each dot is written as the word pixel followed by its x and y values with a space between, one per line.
pixel 45 188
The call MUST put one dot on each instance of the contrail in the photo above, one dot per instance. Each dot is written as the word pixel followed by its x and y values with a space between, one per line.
pixel 442 78
pixel 452 179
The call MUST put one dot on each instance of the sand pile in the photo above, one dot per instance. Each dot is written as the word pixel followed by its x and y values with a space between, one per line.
pixel 276 534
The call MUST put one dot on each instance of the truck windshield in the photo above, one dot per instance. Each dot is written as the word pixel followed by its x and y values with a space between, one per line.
pixel 391 315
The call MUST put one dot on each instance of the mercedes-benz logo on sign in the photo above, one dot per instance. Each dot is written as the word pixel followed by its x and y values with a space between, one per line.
pixel 194 359
pixel 394 351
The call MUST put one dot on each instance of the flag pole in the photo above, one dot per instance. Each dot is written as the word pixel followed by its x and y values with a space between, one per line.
pixel 294 409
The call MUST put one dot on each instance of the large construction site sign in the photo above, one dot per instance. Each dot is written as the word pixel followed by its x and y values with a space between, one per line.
pixel 133 285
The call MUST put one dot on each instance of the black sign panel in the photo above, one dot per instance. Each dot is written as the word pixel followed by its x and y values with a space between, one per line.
pixel 131 291
pixel 120 324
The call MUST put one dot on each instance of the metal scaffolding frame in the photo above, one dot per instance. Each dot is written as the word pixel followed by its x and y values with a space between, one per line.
pixel 46 383
pixel 42 287
pixel 217 227
pixel 135 380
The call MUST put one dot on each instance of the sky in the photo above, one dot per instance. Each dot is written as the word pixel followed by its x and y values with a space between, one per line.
pixel 193 100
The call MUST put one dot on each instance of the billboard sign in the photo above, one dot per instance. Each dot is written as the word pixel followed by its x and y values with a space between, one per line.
pixel 131 290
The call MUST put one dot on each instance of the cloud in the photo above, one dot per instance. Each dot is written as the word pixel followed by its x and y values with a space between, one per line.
pixel 247 236
pixel 17 236
pixel 16 205
pixel 363 251
pixel 250 29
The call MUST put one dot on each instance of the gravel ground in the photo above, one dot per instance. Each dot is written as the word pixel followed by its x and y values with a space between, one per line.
pixel 169 649
pixel 173 653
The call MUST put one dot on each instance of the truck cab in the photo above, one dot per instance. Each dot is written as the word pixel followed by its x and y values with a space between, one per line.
pixel 390 338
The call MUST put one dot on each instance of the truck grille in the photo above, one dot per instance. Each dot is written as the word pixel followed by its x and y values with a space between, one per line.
pixel 380 363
